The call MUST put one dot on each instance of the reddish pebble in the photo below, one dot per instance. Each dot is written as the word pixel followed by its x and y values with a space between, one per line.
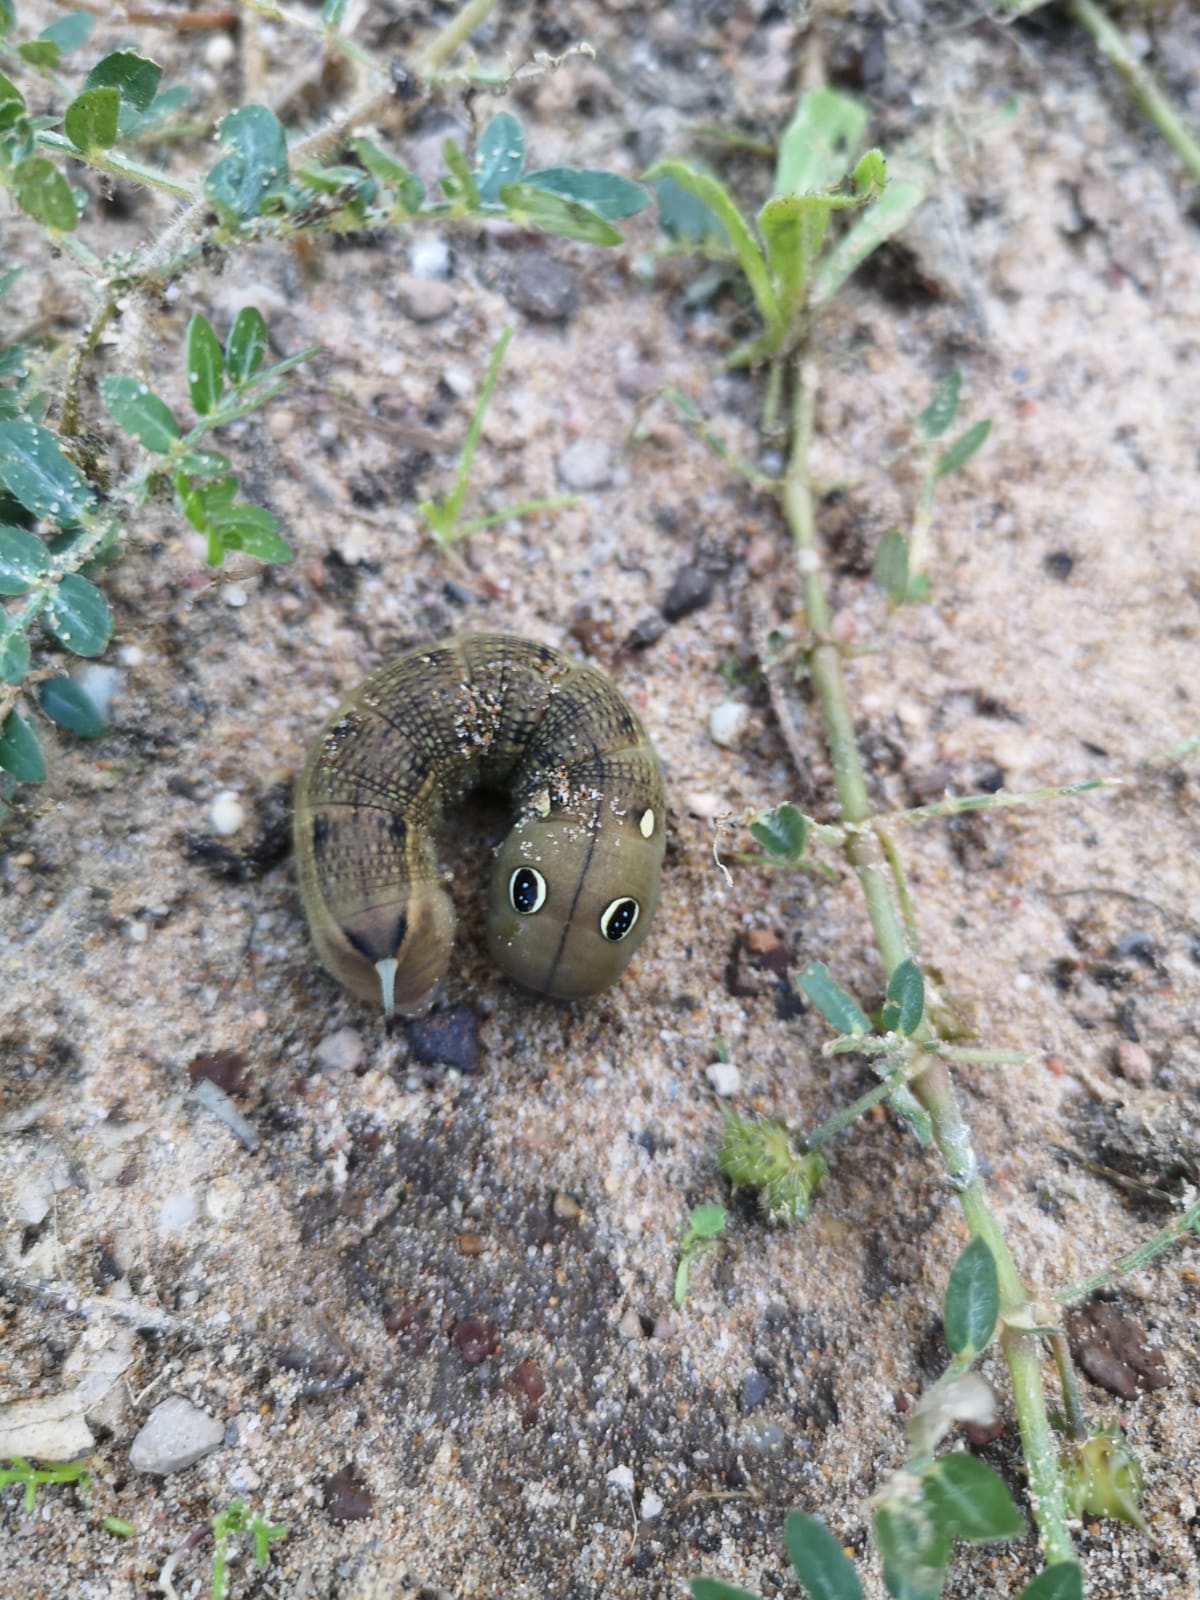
pixel 474 1340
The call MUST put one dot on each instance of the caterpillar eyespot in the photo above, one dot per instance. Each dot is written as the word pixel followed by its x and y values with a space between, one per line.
pixel 491 711
pixel 527 890
pixel 619 919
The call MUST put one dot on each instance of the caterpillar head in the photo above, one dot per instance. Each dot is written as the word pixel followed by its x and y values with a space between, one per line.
pixel 571 899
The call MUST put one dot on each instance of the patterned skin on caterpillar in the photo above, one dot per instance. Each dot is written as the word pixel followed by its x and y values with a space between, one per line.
pixel 574 885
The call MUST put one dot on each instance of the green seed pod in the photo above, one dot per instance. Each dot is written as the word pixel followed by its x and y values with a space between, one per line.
pixel 575 884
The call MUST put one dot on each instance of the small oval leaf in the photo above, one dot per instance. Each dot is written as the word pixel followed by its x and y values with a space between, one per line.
pixel 91 119
pixel 608 193
pixel 133 76
pixel 41 191
pixel 818 1560
pixel 14 656
pixel 20 753
pixel 245 346
pixel 532 207
pixel 256 169
pixel 963 448
pixel 64 702
pixel 140 412
pixel 23 559
pixel 77 615
pixel 782 832
pixel 906 994
pixel 499 156
pixel 202 353
pixel 942 409
pixel 971 1499
pixel 972 1300
pixel 832 1001
pixel 37 474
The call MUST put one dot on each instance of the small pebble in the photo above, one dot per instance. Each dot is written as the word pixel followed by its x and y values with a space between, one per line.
pixel 761 556
pixel 724 1078
pixel 755 1389
pixel 691 590
pixel 565 1207
pixel 586 464
pixel 226 814
pixel 424 299
pixel 448 1038
pixel 544 288
pixel 178 1212
pixel 429 257
pixel 621 1479
pixel 219 52
pixel 175 1436
pixel 727 723
pixel 341 1051
pixel 1133 1062
pixel 101 685
pixel 646 631
pixel 650 1507
pixel 235 596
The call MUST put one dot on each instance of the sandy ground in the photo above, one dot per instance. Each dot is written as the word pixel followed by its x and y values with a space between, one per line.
pixel 315 1295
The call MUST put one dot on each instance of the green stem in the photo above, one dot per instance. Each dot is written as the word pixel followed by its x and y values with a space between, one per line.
pixel 1144 91
pixel 832 1126
pixel 1188 1223
pixel 1069 1384
pixel 933 1086
pixel 118 166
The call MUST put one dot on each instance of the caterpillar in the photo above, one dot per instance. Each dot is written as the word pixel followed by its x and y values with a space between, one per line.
pixel 574 885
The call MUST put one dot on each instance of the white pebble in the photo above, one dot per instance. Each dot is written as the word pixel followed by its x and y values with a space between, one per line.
pixel 651 1506
pixel 218 52
pixel 724 1078
pixel 727 723
pixel 131 655
pixel 236 596
pixel 226 814
pixel 429 257
pixel 101 685
pixel 621 1478
pixel 341 1051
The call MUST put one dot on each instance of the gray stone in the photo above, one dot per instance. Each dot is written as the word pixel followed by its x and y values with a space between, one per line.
pixel 175 1435
pixel 586 464
pixel 424 299
pixel 543 288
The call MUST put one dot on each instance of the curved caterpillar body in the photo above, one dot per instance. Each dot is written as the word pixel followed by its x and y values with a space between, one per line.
pixel 575 883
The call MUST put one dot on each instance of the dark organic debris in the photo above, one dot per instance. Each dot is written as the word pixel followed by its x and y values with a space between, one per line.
pixel 1112 1348
pixel 347 1498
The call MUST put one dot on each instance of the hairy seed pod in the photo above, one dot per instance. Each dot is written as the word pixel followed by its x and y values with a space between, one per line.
pixel 575 883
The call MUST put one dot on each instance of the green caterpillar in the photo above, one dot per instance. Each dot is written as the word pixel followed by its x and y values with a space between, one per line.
pixel 575 884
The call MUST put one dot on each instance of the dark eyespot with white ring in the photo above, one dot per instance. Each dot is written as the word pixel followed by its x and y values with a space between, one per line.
pixel 527 891
pixel 618 919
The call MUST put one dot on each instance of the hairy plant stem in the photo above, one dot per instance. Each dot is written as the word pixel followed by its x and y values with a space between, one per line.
pixel 1144 91
pixel 933 1086
pixel 1188 1223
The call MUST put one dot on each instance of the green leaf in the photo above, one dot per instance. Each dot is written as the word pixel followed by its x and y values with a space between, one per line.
pixel 250 528
pixel 818 1560
pixel 410 191
pixel 707 1222
pixel 891 566
pixel 906 1105
pixel 608 193
pixel 914 1548
pixel 869 178
pixel 685 219
pixel 37 474
pixel 818 144
pixel 23 559
pixel 532 207
pixel 460 184
pixel 64 702
pixel 10 94
pixel 133 76
pixel 793 227
pixel 69 32
pixel 942 409
pixel 204 464
pixel 834 1004
pixel 8 278
pixel 971 1499
pixel 898 203
pixel 20 754
pixel 14 655
pixel 256 169
pixel 905 999
pixel 782 832
pixel 713 194
pixel 163 107
pixel 91 119
pixel 245 346
pixel 1062 1581
pixel 40 53
pixel 139 412
pixel 332 13
pixel 499 156
pixel 715 1589
pixel 963 448
pixel 972 1300
pixel 202 354
pixel 77 615
pixel 40 190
